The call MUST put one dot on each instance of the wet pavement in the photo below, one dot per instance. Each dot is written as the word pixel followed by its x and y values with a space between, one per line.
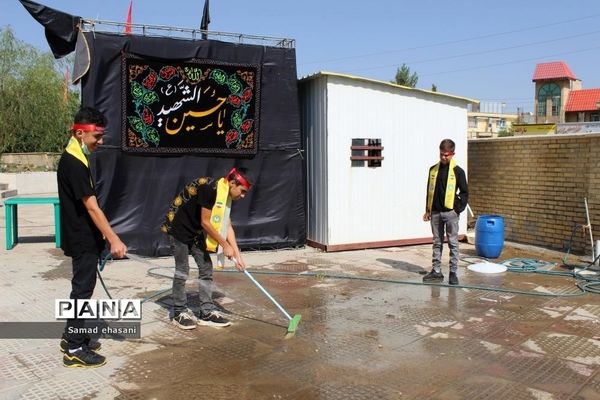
pixel 369 329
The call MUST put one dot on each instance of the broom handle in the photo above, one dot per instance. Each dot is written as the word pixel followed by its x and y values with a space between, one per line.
pixel 267 294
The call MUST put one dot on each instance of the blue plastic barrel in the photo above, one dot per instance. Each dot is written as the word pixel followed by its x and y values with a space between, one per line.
pixel 489 236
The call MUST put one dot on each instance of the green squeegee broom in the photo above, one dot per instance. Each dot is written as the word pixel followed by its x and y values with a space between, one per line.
pixel 294 321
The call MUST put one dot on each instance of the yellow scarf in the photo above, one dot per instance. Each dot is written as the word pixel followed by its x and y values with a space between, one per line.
pixel 450 186
pixel 74 149
pixel 219 216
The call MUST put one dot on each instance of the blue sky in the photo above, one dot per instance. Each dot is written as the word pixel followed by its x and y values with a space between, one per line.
pixel 484 50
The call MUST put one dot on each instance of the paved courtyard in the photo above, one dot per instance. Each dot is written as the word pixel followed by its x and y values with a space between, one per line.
pixel 369 329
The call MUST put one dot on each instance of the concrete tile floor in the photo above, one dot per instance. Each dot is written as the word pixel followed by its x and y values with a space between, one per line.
pixel 386 337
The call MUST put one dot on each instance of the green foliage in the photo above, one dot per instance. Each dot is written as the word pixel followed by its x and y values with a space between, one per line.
pixel 34 116
pixel 506 132
pixel 433 87
pixel 405 78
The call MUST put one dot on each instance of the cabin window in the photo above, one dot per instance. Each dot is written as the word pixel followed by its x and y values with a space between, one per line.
pixel 366 153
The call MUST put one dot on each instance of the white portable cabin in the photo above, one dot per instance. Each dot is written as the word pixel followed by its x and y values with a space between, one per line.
pixel 369 145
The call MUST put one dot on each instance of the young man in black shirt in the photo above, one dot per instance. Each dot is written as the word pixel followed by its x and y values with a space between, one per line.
pixel 198 223
pixel 447 197
pixel 84 227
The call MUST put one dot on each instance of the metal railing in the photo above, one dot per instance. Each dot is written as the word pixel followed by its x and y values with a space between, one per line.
pixel 88 25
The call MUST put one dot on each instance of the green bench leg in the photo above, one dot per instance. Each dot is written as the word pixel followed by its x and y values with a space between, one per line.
pixel 57 236
pixel 15 224
pixel 11 225
pixel 8 217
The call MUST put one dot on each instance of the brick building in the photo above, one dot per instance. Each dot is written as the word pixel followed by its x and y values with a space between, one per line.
pixel 559 96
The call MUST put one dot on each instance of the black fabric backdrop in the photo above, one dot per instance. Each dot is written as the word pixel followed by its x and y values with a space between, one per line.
pixel 135 190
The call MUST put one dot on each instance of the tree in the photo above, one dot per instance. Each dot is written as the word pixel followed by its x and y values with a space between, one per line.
pixel 34 116
pixel 433 87
pixel 405 78
pixel 504 132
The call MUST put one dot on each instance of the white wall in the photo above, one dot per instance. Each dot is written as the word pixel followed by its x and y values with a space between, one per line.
pixel 30 182
pixel 386 203
pixel 313 104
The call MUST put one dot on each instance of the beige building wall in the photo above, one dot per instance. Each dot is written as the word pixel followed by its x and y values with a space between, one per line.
pixel 486 125
pixel 573 117
pixel 538 184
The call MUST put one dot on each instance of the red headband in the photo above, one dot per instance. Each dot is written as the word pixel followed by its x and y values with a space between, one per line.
pixel 239 178
pixel 87 127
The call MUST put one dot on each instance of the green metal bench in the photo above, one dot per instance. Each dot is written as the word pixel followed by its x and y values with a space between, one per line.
pixel 12 224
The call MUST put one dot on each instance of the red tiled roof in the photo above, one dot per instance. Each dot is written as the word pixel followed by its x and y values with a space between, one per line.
pixel 583 100
pixel 552 70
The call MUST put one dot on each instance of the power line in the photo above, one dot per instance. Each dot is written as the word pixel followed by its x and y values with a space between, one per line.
pixel 538 58
pixel 501 48
pixel 445 43
pixel 513 62
pixel 475 53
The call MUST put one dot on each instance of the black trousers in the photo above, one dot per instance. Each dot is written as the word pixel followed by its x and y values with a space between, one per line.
pixel 82 286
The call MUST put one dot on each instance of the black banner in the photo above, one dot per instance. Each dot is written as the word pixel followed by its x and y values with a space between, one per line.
pixel 190 107
pixel 136 189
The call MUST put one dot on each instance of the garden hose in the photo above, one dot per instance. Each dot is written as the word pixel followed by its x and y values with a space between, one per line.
pixel 586 284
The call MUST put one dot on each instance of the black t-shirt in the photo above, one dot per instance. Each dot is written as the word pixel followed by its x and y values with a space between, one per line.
pixel 439 195
pixel 183 220
pixel 79 233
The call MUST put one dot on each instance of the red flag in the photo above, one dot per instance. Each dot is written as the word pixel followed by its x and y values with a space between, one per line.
pixel 128 22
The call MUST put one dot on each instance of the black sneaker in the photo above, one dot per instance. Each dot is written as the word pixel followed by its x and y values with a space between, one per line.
pixel 184 320
pixel 453 279
pixel 83 358
pixel 433 277
pixel 214 318
pixel 91 345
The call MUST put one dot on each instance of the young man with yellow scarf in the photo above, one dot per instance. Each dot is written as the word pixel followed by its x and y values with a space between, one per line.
pixel 84 227
pixel 447 197
pixel 198 224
